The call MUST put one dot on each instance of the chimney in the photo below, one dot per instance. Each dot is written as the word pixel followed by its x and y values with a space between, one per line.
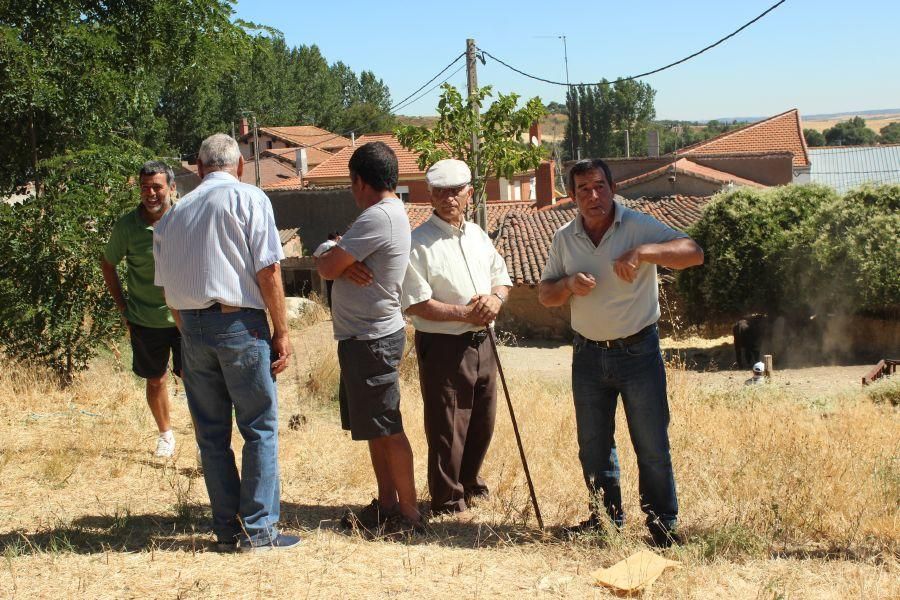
pixel 244 129
pixel 534 132
pixel 300 162
pixel 544 183
pixel 653 143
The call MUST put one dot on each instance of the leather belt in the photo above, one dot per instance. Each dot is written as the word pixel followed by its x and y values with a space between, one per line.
pixel 620 342
pixel 476 338
pixel 219 307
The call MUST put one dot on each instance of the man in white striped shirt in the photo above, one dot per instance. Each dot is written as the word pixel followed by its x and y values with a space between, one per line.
pixel 217 257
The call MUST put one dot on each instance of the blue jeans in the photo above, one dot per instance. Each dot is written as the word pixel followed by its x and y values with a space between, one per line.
pixel 636 371
pixel 227 364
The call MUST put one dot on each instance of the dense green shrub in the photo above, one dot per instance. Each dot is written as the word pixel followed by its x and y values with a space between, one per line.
pixel 54 307
pixel 795 249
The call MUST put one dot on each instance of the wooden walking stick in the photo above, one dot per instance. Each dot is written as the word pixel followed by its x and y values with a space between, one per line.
pixel 512 416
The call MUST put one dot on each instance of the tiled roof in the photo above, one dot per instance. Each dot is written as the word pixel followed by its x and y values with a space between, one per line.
pixel 314 156
pixel 335 168
pixel 781 132
pixel 524 241
pixel 684 166
pixel 305 135
pixel 846 167
pixel 286 235
pixel 271 172
pixel 524 237
pixel 496 212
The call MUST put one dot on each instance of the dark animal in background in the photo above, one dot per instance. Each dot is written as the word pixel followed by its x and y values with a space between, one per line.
pixel 748 335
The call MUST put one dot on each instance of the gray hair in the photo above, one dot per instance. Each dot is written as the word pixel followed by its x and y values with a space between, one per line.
pixel 155 167
pixel 219 151
pixel 583 166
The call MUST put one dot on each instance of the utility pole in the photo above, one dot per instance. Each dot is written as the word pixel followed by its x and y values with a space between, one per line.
pixel 627 144
pixel 568 89
pixel 256 149
pixel 472 84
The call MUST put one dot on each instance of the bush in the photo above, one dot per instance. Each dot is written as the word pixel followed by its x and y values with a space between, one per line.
pixel 54 307
pixel 796 250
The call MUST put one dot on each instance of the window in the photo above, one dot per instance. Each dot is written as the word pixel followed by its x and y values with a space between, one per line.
pixel 403 192
pixel 269 145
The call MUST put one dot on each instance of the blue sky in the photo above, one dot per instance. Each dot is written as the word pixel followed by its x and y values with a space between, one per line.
pixel 819 56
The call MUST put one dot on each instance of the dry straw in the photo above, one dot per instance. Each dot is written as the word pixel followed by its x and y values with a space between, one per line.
pixel 781 495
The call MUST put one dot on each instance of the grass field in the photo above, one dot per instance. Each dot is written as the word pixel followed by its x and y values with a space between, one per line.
pixel 782 495
pixel 873 122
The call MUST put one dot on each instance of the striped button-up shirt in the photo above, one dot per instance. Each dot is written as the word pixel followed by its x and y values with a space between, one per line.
pixel 209 247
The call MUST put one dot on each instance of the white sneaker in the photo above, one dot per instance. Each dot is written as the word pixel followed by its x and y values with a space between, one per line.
pixel 165 447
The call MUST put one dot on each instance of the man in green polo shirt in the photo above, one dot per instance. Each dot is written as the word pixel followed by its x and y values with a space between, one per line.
pixel 152 328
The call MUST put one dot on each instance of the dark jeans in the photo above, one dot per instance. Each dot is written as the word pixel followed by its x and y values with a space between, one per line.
pixel 636 371
pixel 227 364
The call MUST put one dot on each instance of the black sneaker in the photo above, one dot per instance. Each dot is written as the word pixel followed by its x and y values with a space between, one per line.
pixel 281 542
pixel 592 525
pixel 225 547
pixel 400 525
pixel 660 537
pixel 370 517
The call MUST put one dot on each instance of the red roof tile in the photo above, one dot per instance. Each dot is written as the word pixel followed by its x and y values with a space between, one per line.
pixel 690 168
pixel 305 135
pixel 778 133
pixel 335 168
pixel 496 212
pixel 271 172
pixel 314 156
pixel 524 237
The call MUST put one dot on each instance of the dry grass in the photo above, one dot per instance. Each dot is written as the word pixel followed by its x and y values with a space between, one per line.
pixel 781 497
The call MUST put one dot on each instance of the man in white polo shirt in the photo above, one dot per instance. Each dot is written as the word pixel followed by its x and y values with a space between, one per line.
pixel 604 261
pixel 454 287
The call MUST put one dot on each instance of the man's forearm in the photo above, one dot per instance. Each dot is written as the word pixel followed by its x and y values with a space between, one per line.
pixel 554 292
pixel 434 310
pixel 111 277
pixel 675 254
pixel 269 280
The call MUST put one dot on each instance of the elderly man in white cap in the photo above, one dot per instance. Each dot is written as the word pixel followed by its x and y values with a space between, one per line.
pixel 454 287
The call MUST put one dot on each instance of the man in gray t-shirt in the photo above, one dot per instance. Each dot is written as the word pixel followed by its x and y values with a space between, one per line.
pixel 368 266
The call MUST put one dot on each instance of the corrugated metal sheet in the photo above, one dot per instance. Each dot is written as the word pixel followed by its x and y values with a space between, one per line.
pixel 844 168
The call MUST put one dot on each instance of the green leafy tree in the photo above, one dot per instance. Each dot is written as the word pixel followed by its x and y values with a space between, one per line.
pixel 755 260
pixel 600 115
pixel 813 137
pixel 890 133
pixel 855 251
pixel 556 108
pixel 499 129
pixel 850 133
pixel 54 307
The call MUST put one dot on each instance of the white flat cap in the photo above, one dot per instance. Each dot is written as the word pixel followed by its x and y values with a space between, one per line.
pixel 448 173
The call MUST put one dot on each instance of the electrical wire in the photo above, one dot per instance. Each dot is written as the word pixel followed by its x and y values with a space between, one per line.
pixel 645 74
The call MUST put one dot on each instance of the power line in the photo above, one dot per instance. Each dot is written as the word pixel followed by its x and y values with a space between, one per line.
pixel 397 105
pixel 654 71
pixel 401 104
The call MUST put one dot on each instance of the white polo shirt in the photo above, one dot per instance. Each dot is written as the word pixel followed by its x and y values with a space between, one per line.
pixel 614 308
pixel 451 266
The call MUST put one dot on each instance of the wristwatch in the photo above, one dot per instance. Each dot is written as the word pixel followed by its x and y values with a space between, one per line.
pixel 501 298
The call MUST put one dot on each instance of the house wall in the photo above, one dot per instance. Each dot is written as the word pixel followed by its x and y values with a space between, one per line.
pixel 315 213
pixel 247 147
pixel 772 169
pixel 661 186
pixel 524 316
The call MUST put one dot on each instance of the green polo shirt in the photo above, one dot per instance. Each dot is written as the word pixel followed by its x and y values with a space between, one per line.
pixel 132 239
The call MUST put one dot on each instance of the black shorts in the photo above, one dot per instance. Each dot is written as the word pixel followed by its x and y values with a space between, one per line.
pixel 370 386
pixel 150 347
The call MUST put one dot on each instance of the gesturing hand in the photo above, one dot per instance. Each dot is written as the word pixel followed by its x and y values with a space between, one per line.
pixel 581 284
pixel 626 266
pixel 359 274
